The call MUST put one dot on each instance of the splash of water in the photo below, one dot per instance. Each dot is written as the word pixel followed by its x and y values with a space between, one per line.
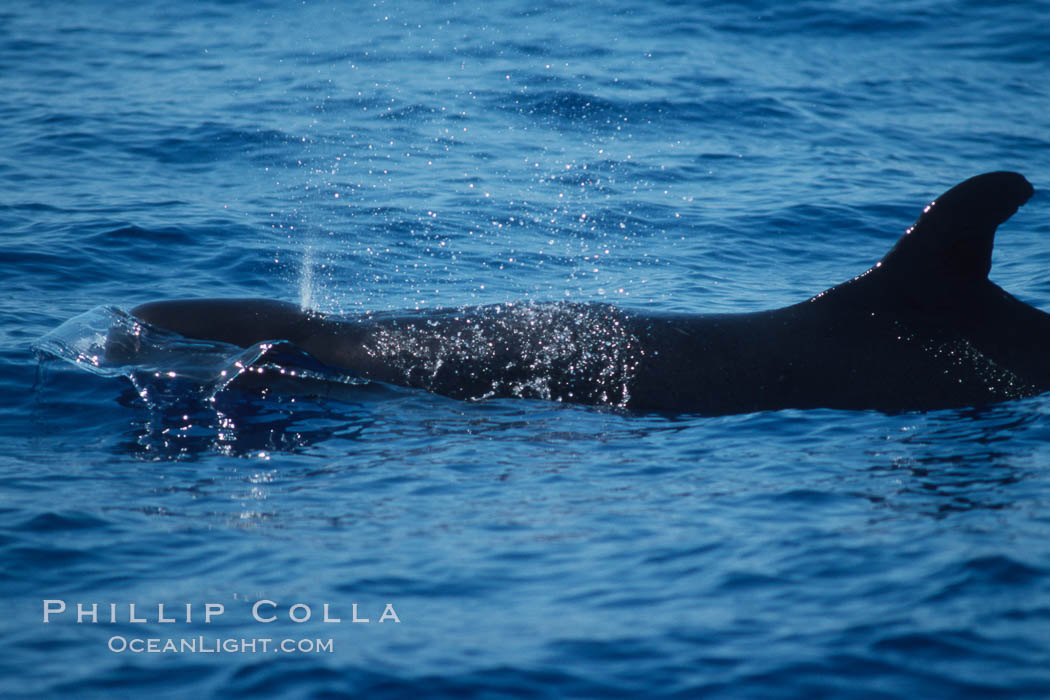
pixel 581 353
pixel 166 368
pixel 306 278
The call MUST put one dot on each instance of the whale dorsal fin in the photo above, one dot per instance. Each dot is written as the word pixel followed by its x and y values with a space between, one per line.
pixel 949 248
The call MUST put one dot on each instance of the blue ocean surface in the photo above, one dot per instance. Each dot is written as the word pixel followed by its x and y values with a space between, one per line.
pixel 352 157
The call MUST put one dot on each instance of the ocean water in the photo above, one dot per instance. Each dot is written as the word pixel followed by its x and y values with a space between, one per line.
pixel 406 155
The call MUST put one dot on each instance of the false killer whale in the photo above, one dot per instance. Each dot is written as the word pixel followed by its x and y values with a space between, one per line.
pixel 922 329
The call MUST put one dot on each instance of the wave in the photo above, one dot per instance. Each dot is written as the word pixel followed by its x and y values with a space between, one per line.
pixel 570 108
pixel 167 369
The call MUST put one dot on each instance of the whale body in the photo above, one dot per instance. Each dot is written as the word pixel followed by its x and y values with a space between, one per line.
pixel 922 329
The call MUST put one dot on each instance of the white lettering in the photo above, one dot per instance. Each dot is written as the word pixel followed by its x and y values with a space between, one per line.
pixel 160 614
pixel 213 610
pixel 131 615
pixel 389 614
pixel 291 612
pixel 327 618
pixel 356 618
pixel 82 612
pixel 53 607
pixel 260 603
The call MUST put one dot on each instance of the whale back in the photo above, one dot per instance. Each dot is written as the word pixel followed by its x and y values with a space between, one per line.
pixel 924 328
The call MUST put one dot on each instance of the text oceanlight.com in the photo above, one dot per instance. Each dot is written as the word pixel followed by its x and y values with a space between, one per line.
pixel 218 645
